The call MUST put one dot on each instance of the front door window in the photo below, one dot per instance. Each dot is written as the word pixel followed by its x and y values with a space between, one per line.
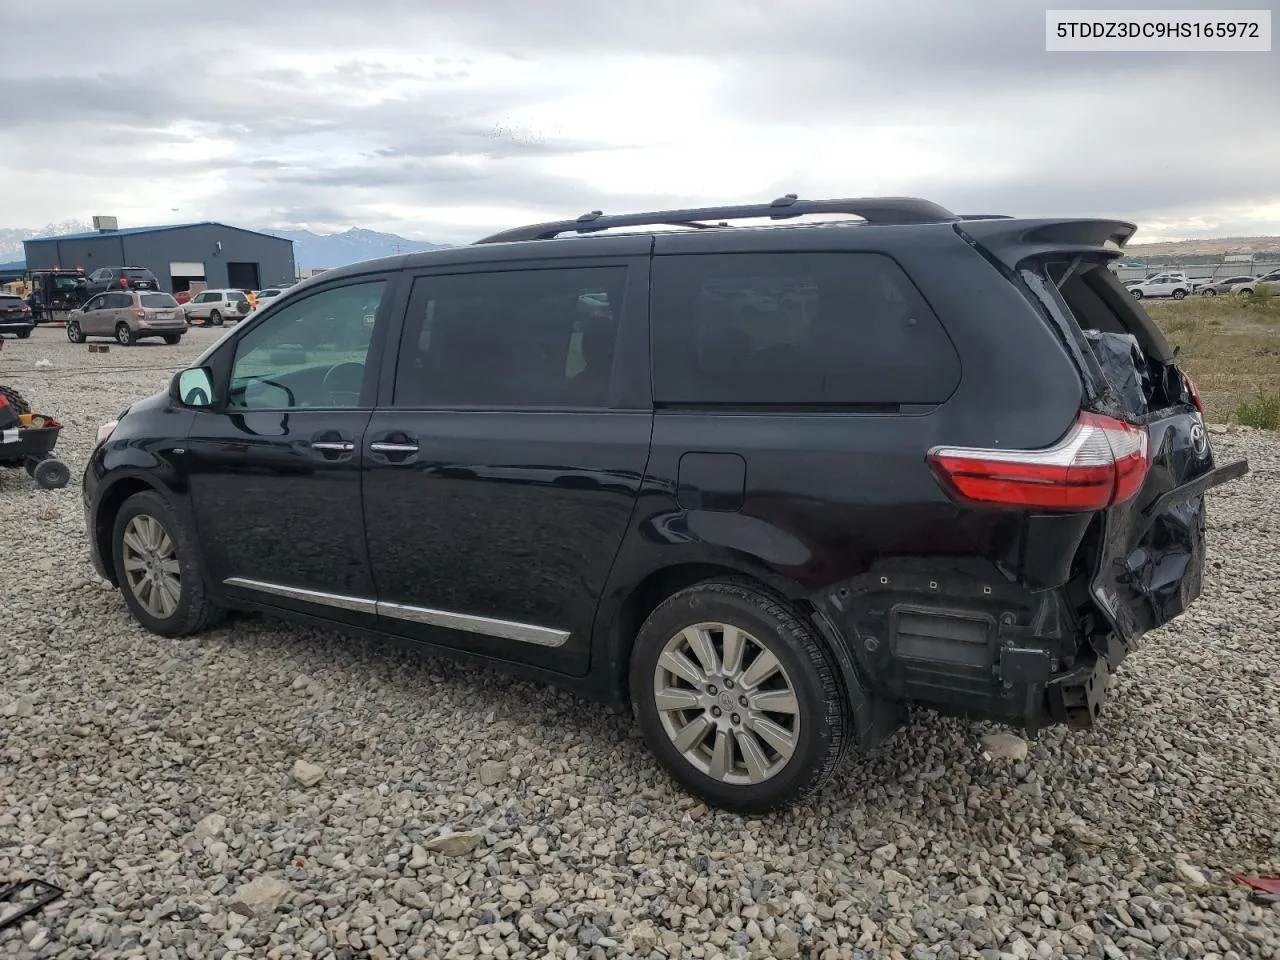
pixel 311 354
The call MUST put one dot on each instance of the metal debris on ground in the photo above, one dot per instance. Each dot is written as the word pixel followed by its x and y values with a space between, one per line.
pixel 45 893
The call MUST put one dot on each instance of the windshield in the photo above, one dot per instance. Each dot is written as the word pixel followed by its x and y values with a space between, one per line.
pixel 157 300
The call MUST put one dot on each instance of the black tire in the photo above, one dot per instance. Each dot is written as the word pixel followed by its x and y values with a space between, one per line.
pixel 74 333
pixel 17 403
pixel 825 726
pixel 124 335
pixel 195 612
pixel 1179 294
pixel 1137 294
pixel 215 318
pixel 23 334
pixel 173 339
pixel 1209 292
pixel 51 474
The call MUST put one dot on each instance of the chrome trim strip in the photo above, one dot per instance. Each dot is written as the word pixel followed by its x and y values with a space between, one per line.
pixel 381 447
pixel 505 629
pixel 341 601
pixel 488 626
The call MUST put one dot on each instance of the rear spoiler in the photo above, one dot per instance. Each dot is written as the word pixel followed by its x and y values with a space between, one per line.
pixel 1013 241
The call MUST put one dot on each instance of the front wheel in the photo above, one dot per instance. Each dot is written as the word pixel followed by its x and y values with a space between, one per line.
pixel 158 568
pixel 74 333
pixel 1137 294
pixel 1179 294
pixel 215 318
pixel 124 335
pixel 738 697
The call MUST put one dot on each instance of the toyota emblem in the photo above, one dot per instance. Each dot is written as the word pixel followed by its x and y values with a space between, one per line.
pixel 1199 441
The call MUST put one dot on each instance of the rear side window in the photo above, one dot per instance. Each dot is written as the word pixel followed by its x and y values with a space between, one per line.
pixel 516 338
pixel 119 301
pixel 795 328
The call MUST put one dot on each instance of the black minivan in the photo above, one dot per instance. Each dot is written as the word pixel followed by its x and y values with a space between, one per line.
pixel 765 479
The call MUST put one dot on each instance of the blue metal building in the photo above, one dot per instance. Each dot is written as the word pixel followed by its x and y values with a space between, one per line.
pixel 211 254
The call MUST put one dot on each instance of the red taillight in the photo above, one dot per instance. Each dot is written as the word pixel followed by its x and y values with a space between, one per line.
pixel 25 309
pixel 1195 392
pixel 124 281
pixel 138 312
pixel 1101 461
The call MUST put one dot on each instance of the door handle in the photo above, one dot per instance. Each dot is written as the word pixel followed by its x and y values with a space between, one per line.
pixel 336 446
pixel 383 446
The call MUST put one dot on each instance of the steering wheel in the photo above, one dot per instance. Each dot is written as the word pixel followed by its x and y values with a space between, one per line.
pixel 343 383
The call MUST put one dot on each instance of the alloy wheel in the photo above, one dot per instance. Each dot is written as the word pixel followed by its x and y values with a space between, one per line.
pixel 151 566
pixel 726 703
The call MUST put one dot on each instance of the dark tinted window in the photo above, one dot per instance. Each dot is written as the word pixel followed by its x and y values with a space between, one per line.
pixel 795 328
pixel 235 296
pixel 158 300
pixel 522 338
pixel 117 301
pixel 7 301
pixel 137 274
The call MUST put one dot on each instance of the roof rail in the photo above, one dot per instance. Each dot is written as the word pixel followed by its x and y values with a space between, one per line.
pixel 882 210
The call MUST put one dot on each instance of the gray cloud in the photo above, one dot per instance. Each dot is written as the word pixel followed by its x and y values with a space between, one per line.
pixel 383 113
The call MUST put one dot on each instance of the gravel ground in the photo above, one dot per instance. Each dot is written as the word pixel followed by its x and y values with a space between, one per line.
pixel 269 790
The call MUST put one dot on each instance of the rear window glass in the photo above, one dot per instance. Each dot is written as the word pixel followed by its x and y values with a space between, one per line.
pixel 795 328
pixel 158 300
pixel 8 301
pixel 236 296
pixel 137 274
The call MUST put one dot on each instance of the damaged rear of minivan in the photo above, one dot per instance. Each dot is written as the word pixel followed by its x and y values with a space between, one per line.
pixel 1116 508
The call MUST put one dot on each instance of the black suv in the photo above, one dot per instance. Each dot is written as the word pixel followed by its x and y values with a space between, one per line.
pixel 120 278
pixel 767 484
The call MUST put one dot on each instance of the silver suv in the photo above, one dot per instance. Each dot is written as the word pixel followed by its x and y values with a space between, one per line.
pixel 128 316
pixel 215 306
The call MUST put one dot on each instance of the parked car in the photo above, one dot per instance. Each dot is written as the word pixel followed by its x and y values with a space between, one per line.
pixel 1175 285
pixel 128 316
pixel 1217 287
pixel 1271 280
pixel 269 294
pixel 182 296
pixel 120 278
pixel 15 316
pixel 215 306
pixel 765 486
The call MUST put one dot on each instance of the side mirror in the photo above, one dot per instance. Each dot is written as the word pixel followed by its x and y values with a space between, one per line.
pixel 192 388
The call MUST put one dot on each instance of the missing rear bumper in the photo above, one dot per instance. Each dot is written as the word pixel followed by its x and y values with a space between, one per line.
pixel 1075 698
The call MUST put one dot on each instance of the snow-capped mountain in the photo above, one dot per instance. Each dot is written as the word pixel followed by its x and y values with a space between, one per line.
pixel 311 250
pixel 11 237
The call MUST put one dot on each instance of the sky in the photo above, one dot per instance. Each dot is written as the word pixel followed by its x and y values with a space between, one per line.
pixel 450 119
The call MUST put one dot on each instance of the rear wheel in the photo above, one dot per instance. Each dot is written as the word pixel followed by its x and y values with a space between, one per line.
pixel 738 697
pixel 23 334
pixel 74 333
pixel 51 474
pixel 215 318
pixel 158 569
pixel 124 335
pixel 1179 294
pixel 172 338
pixel 1209 292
